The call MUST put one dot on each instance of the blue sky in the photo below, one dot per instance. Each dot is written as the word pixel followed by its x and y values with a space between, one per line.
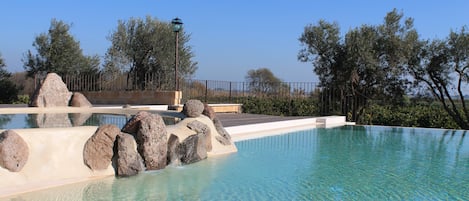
pixel 228 37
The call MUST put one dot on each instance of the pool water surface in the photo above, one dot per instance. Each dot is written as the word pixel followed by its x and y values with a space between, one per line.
pixel 343 163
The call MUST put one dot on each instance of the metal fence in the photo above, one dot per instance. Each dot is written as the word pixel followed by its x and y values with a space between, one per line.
pixel 329 101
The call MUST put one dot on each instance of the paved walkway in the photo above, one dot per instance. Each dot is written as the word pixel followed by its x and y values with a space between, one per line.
pixel 237 119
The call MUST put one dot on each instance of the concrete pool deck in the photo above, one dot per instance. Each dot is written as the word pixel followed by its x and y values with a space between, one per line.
pixel 240 126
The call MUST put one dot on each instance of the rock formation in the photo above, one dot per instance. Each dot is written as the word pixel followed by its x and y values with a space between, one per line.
pixel 193 108
pixel 143 142
pixel 204 131
pixel 193 149
pixel 98 150
pixel 150 133
pixel 127 160
pixel 52 93
pixel 14 151
pixel 223 136
pixel 79 100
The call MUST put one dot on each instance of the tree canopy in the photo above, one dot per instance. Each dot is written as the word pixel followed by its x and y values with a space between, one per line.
pixel 9 91
pixel 368 63
pixel 442 67
pixel 58 52
pixel 380 63
pixel 142 46
pixel 263 82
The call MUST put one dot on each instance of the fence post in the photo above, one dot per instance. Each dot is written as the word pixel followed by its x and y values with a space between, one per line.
pixel 206 90
pixel 229 97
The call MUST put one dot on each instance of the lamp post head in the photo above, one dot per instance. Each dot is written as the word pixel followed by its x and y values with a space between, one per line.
pixel 177 24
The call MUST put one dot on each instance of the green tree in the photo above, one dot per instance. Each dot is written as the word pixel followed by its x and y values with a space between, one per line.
pixel 263 82
pixel 147 46
pixel 442 66
pixel 9 91
pixel 368 63
pixel 58 52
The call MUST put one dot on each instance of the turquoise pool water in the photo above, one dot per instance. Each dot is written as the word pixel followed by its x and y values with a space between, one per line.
pixel 344 163
pixel 59 120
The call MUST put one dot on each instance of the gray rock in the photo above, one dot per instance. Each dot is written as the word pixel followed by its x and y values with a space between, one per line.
pixel 79 100
pixel 201 128
pixel 174 157
pixel 224 137
pixel 193 108
pixel 149 131
pixel 133 124
pixel 221 130
pixel 52 93
pixel 14 151
pixel 98 150
pixel 209 112
pixel 127 162
pixel 193 149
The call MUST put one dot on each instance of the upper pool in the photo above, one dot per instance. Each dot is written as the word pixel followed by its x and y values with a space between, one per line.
pixel 59 120
pixel 343 163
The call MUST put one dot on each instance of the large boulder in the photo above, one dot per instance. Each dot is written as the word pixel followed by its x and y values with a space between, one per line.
pixel 193 149
pixel 52 93
pixel 14 151
pixel 174 157
pixel 127 160
pixel 193 108
pixel 209 112
pixel 194 146
pixel 150 133
pixel 204 130
pixel 79 100
pixel 134 123
pixel 98 151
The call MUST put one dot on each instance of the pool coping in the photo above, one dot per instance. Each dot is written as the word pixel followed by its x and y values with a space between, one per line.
pixel 259 130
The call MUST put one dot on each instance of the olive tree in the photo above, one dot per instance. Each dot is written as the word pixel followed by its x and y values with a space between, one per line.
pixel 147 46
pixel 368 63
pixel 442 67
pixel 58 52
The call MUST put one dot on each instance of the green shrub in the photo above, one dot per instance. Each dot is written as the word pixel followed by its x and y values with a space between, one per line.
pixel 418 115
pixel 280 106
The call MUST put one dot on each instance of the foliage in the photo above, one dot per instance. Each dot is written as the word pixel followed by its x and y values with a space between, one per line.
pixel 442 67
pixel 24 83
pixel 148 46
pixel 8 89
pixel 263 82
pixel 415 115
pixel 22 99
pixel 369 62
pixel 58 52
pixel 280 106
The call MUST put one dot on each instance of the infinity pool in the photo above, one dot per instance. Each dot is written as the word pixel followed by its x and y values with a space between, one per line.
pixel 344 163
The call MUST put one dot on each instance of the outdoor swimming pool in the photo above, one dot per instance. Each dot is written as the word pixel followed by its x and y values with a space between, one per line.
pixel 343 163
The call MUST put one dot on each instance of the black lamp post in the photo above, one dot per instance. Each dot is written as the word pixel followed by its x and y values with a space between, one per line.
pixel 177 25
